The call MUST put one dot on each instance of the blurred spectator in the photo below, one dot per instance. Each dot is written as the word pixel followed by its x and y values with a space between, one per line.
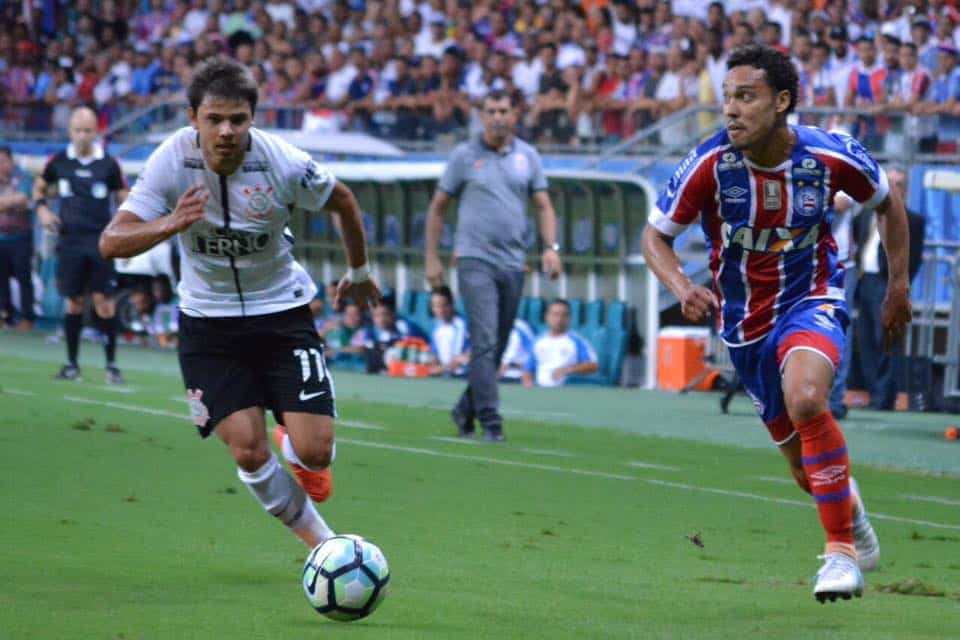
pixel 945 100
pixel 345 335
pixel 518 352
pixel 549 118
pixel 449 339
pixel 910 92
pixel 876 362
pixel 560 352
pixel 384 330
pixel 866 88
pixel 16 242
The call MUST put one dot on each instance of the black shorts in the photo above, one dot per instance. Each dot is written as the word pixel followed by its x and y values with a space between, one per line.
pixel 273 361
pixel 81 268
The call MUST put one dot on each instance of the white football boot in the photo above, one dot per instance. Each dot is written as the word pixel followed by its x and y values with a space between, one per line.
pixel 864 537
pixel 839 577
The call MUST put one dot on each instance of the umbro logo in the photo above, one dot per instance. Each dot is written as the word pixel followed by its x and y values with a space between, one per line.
pixel 735 194
pixel 828 475
pixel 310 396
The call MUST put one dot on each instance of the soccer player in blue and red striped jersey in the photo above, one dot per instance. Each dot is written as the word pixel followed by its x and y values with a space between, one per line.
pixel 763 191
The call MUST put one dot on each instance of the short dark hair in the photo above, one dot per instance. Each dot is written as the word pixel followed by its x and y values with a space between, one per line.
pixel 443 290
pixel 909 44
pixel 7 151
pixel 499 94
pixel 780 74
pixel 222 78
pixel 561 301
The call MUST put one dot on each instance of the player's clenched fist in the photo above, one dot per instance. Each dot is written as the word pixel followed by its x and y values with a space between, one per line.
pixel 190 207
pixel 696 301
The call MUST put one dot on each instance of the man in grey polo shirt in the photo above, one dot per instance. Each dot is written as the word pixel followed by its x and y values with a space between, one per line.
pixel 494 177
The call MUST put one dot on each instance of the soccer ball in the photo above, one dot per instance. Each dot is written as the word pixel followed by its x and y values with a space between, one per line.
pixel 345 578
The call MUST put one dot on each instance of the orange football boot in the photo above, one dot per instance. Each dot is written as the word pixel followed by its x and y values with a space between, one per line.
pixel 317 484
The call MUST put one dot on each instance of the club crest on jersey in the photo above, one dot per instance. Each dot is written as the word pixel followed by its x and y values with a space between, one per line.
pixel 771 239
pixel 99 190
pixel 258 205
pixel 808 201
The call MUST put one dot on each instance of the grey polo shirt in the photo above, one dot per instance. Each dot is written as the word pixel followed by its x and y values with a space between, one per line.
pixel 494 189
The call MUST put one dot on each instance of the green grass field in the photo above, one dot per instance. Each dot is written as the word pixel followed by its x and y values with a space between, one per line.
pixel 121 523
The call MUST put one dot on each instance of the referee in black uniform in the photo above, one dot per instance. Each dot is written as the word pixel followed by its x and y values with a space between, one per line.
pixel 83 177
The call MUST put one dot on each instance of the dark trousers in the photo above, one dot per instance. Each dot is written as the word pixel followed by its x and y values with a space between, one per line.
pixel 15 262
pixel 491 296
pixel 876 364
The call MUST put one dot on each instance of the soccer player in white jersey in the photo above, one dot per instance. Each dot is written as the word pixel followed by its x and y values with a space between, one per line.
pixel 247 341
pixel 763 191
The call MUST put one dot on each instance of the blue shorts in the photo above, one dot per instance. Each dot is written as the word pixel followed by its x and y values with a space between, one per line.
pixel 815 325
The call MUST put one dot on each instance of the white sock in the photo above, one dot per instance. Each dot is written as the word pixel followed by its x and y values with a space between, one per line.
pixel 291 455
pixel 283 498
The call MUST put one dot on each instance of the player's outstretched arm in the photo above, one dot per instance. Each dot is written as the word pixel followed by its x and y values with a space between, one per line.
pixel 896 311
pixel 695 301
pixel 128 235
pixel 357 284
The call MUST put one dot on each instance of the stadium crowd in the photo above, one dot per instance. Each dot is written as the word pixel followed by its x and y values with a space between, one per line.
pixel 588 70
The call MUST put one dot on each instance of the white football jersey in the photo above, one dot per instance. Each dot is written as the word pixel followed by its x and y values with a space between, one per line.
pixel 237 260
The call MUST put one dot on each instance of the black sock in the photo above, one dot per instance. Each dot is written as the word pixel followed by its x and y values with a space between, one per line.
pixel 108 327
pixel 72 323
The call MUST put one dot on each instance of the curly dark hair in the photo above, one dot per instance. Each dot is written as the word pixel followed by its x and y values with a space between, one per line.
pixel 781 75
pixel 223 78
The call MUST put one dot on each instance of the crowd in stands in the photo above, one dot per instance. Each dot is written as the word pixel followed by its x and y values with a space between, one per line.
pixel 587 70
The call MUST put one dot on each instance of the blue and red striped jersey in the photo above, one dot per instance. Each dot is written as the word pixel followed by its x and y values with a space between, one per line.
pixel 768 228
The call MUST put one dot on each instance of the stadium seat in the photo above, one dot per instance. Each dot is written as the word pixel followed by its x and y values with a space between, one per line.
pixel 535 309
pixel 407 304
pixel 616 316
pixel 421 310
pixel 576 312
pixel 611 346
pixel 522 309
pixel 593 314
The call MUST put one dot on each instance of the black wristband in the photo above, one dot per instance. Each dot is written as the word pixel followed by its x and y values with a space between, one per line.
pixel 41 201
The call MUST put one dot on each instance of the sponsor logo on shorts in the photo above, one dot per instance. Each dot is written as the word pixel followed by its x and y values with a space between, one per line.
pixel 304 396
pixel 198 411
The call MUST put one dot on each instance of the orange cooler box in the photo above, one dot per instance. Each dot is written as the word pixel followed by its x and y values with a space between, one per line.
pixel 680 353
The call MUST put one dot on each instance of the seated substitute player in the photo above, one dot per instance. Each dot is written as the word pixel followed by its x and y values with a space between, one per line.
pixel 560 352
pixel 449 339
pixel 763 191
pixel 517 354
pixel 247 341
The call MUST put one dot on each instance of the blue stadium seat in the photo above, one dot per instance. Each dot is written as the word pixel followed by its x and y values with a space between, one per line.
pixel 408 302
pixel 522 309
pixel 593 314
pixel 576 312
pixel 421 309
pixel 611 346
pixel 616 316
pixel 535 310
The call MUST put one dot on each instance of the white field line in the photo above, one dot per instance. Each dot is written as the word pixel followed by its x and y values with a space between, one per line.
pixel 797 503
pixel 774 479
pixel 356 424
pixel 639 464
pixel 455 440
pixel 129 407
pixel 544 467
pixel 17 392
pixel 115 389
pixel 549 452
pixel 934 499
pixel 509 463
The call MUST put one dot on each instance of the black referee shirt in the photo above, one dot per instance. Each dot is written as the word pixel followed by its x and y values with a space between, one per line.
pixel 84 189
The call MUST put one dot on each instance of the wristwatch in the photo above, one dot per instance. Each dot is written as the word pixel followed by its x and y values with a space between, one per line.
pixel 553 247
